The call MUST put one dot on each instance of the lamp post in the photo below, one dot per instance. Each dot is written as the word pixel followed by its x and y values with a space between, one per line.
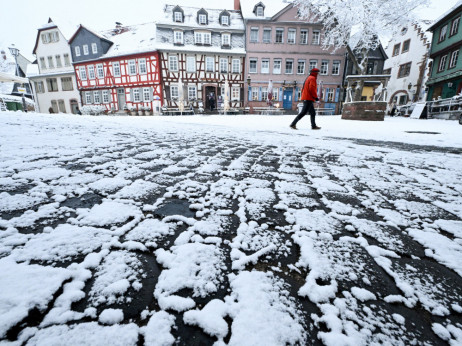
pixel 15 52
pixel 248 90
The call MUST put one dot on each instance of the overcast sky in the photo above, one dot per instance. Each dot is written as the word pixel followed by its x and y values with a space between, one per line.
pixel 19 24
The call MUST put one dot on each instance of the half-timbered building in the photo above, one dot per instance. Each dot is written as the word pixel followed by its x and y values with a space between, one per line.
pixel 201 51
pixel 119 68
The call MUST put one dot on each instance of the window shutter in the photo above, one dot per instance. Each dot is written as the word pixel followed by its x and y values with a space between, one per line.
pixel 167 93
pixel 337 94
pixel 259 93
pixel 92 98
pixel 241 95
pixel 250 93
pixel 100 96
pixel 151 91
pixel 131 95
pixel 326 96
pixel 280 94
pixel 185 92
pixel 296 94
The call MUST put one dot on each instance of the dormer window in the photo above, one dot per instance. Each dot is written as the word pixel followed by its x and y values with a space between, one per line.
pixel 259 11
pixel 178 14
pixel 202 19
pixel 224 20
pixel 178 17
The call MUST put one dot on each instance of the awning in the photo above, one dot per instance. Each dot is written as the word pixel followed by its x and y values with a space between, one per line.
pixel 6 77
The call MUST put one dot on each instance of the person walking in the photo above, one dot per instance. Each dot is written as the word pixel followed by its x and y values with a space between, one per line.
pixel 309 95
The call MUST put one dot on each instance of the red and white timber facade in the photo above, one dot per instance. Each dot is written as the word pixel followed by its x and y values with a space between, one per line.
pixel 126 76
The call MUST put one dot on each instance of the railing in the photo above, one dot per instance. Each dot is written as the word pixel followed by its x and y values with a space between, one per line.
pixel 268 110
pixel 450 108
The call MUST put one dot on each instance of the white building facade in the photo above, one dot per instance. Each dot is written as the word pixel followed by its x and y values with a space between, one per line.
pixel 53 79
pixel 408 64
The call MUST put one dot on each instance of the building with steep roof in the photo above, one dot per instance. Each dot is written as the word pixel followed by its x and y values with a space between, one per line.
pixel 53 79
pixel 408 63
pixel 202 50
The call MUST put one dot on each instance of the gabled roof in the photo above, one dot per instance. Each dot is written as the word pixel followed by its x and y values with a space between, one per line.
pixel 446 15
pixel 66 28
pixel 81 27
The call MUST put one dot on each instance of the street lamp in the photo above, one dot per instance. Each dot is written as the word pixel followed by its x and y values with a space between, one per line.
pixel 248 89
pixel 409 86
pixel 15 52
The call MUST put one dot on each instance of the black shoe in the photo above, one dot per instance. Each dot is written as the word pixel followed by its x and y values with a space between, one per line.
pixel 316 128
pixel 293 127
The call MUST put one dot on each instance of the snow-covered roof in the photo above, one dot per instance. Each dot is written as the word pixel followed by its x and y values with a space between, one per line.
pixel 272 7
pixel 190 15
pixel 131 40
pixel 446 14
pixel 66 28
pixel 32 70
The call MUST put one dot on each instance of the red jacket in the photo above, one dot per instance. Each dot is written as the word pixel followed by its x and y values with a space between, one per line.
pixel 309 91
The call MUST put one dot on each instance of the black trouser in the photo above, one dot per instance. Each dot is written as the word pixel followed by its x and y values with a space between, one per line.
pixel 308 107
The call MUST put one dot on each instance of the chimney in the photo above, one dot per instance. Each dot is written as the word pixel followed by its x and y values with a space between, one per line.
pixel 237 5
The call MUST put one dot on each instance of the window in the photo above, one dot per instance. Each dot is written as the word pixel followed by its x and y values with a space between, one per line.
pixel 173 63
pixel 209 64
pixel 67 62
pixel 146 94
pixel 254 35
pixel 116 69
pixel 61 106
pixel 77 51
pixel 178 16
pixel 142 66
pixel 276 94
pixel 235 94
pixel 336 68
pixel 225 39
pixel 85 49
pixel 100 71
pixel 443 32
pixel 455 26
pixel 291 36
pixel 331 95
pixel 50 62
pixel 174 91
pixel 303 36
pixel 58 61
pixel 236 66
pixel 402 100
pixel 178 37
pixel 254 94
pixel 301 67
pixel 43 65
pixel 96 97
pixel 55 36
pixel 91 72
pixel 266 35
pixel 39 88
pixel 54 105
pixel 279 36
pixel 50 36
pixel 224 20
pixel 202 19
pixel 131 67
pixel 396 49
pixel 253 65
pixel 192 92
pixel 313 64
pixel 94 48
pixel 406 45
pixel 442 64
pixel 52 84
pixel 387 71
pixel 404 70
pixel 106 96
pixel 223 65
pixel 289 66
pixel 44 38
pixel 202 37
pixel 259 11
pixel 83 73
pixel 371 67
pixel 66 83
pixel 316 37
pixel 324 67
pixel 454 58
pixel 136 95
pixel 190 64
pixel 87 97
pixel 277 66
pixel 264 93
pixel 264 66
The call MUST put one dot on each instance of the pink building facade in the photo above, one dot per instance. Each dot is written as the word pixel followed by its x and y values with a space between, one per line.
pixel 283 48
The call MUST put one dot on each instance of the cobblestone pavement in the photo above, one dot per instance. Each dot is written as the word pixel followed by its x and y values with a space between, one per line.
pixel 193 236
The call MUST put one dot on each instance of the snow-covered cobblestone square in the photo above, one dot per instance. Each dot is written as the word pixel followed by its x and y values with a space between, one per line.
pixel 229 230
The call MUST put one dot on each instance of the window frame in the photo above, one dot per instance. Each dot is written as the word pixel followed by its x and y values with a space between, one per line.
pixel 224 65
pixel 172 89
pixel 136 95
pixel 173 63
pixel 100 71
pixel 94 48
pixel 265 70
pixel 96 97
pixel 396 49
pixel 178 37
pixel 67 61
pixel 66 84
pixel 85 49
pixel 302 35
pixel 253 35
pixel 336 67
pixel 279 62
pixel 279 35
pixel 77 50
pixel 146 92
pixel 207 60
pixel 442 37
pixel 324 70
pixel 316 38
pixel 291 32
pixel 251 62
pixel 202 19
pixel 236 63
pixel 178 17
pixel 116 68
pixel 408 41
pixel 404 70
pixel 43 64
pixel 452 63
pixel 455 23
pixel 91 72
pixel 51 64
pixel 188 64
pixel 289 62
pixel 441 62
pixel 83 73
pixel 105 96
pixel 59 62
pixel 192 91
pixel 313 64
pixel 88 98
pixel 131 64
pixel 226 37
pixel 266 39
pixel 142 66
pixel 259 11
pixel 301 62
pixel 51 83
pixel 223 21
